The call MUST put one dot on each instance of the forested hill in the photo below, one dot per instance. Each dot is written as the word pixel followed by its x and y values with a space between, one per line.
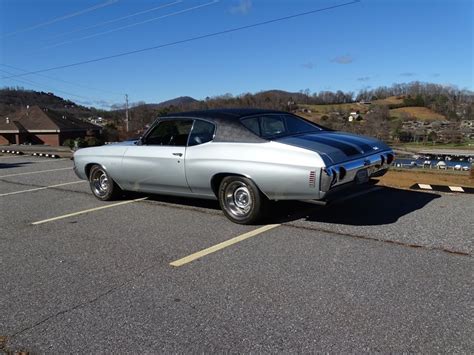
pixel 452 103
pixel 13 99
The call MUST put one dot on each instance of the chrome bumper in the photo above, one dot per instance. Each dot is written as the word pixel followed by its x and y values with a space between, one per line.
pixel 346 172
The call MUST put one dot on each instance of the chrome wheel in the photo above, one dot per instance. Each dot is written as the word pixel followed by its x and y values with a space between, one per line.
pixel 238 199
pixel 99 182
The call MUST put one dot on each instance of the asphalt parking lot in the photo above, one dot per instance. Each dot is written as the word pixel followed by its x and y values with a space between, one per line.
pixel 387 271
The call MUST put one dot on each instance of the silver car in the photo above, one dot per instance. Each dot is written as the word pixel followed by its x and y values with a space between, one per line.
pixel 241 157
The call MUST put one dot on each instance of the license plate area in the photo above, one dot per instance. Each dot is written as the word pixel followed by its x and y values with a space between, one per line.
pixel 362 176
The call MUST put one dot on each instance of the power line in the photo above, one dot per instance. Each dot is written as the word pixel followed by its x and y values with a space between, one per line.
pixel 117 19
pixel 131 25
pixel 63 81
pixel 33 83
pixel 214 34
pixel 62 18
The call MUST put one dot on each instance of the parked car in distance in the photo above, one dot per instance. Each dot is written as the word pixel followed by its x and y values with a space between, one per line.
pixel 241 157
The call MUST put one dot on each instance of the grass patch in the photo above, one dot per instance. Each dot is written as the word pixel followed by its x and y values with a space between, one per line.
pixel 406 178
pixel 417 113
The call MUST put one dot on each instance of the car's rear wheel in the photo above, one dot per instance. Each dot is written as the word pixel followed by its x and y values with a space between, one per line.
pixel 102 185
pixel 241 200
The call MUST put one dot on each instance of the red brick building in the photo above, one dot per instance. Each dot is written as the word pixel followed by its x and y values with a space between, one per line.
pixel 42 126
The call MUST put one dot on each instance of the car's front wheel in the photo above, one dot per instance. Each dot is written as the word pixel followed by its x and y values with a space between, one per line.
pixel 102 185
pixel 241 200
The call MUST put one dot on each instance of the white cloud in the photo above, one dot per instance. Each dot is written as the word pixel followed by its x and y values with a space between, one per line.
pixel 308 65
pixel 343 59
pixel 407 74
pixel 243 7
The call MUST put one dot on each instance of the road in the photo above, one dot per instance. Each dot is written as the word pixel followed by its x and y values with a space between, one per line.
pixel 388 271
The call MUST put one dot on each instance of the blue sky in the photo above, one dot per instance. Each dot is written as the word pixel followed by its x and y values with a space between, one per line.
pixel 362 45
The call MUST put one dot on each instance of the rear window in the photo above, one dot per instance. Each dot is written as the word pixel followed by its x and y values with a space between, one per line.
pixel 278 125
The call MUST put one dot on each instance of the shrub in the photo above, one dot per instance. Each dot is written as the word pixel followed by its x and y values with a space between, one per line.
pixel 93 141
pixel 69 143
pixel 80 142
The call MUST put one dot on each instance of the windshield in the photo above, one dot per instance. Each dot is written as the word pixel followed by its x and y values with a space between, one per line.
pixel 279 125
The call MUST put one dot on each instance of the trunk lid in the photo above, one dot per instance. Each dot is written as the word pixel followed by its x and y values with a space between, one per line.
pixel 336 147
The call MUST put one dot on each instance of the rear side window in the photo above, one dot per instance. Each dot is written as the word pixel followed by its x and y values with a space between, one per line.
pixel 202 132
pixel 278 125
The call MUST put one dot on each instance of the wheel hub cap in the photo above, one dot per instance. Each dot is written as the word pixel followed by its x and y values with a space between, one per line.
pixel 100 183
pixel 238 200
pixel 241 197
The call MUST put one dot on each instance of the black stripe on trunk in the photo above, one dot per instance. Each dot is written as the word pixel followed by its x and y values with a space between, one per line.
pixel 348 149
pixel 353 140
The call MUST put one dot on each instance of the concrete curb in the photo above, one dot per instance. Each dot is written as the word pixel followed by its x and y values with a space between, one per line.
pixel 443 188
pixel 46 155
pixel 8 151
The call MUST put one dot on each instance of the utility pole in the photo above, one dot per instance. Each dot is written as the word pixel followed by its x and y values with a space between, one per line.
pixel 127 117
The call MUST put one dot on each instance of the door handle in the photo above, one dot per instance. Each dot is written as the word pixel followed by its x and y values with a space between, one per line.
pixel 178 154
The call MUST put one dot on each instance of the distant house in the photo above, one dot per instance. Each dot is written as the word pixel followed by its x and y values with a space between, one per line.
pixel 42 126
pixel 354 116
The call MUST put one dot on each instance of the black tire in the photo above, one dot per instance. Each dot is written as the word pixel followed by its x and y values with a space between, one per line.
pixel 102 185
pixel 241 200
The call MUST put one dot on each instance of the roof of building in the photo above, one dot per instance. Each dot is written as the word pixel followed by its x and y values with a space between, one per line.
pixel 36 119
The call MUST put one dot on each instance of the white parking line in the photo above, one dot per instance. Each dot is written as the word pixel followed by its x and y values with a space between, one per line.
pixel 35 172
pixel 222 245
pixel 10 156
pixel 48 160
pixel 87 211
pixel 42 188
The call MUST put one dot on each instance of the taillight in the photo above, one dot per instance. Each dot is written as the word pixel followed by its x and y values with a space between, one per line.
pixel 390 158
pixel 342 172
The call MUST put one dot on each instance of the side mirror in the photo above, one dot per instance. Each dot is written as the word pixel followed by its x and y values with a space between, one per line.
pixel 139 141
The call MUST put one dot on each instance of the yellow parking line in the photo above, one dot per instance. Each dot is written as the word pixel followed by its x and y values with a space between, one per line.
pixel 87 211
pixel 222 245
pixel 35 172
pixel 42 188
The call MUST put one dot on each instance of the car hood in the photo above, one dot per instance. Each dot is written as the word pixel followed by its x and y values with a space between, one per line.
pixel 336 147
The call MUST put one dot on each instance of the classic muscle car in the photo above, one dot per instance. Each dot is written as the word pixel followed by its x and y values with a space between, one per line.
pixel 241 157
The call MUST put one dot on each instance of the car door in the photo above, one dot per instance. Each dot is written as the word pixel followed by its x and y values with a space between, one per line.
pixel 156 163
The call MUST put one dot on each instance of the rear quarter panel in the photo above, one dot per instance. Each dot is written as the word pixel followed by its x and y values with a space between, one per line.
pixel 280 171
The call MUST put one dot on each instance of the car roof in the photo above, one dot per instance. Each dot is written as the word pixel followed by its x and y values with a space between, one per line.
pixel 229 127
pixel 228 113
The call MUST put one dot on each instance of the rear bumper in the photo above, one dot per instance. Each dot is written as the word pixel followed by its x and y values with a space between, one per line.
pixel 339 176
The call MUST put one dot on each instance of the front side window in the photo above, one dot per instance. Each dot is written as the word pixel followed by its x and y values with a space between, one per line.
pixel 278 125
pixel 202 132
pixel 171 133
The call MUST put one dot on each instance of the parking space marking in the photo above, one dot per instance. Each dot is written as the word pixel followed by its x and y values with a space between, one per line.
pixel 88 210
pixel 10 156
pixel 48 160
pixel 222 245
pixel 35 172
pixel 42 188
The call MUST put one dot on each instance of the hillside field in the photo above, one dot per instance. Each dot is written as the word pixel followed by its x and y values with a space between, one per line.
pixel 418 113
pixel 410 112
